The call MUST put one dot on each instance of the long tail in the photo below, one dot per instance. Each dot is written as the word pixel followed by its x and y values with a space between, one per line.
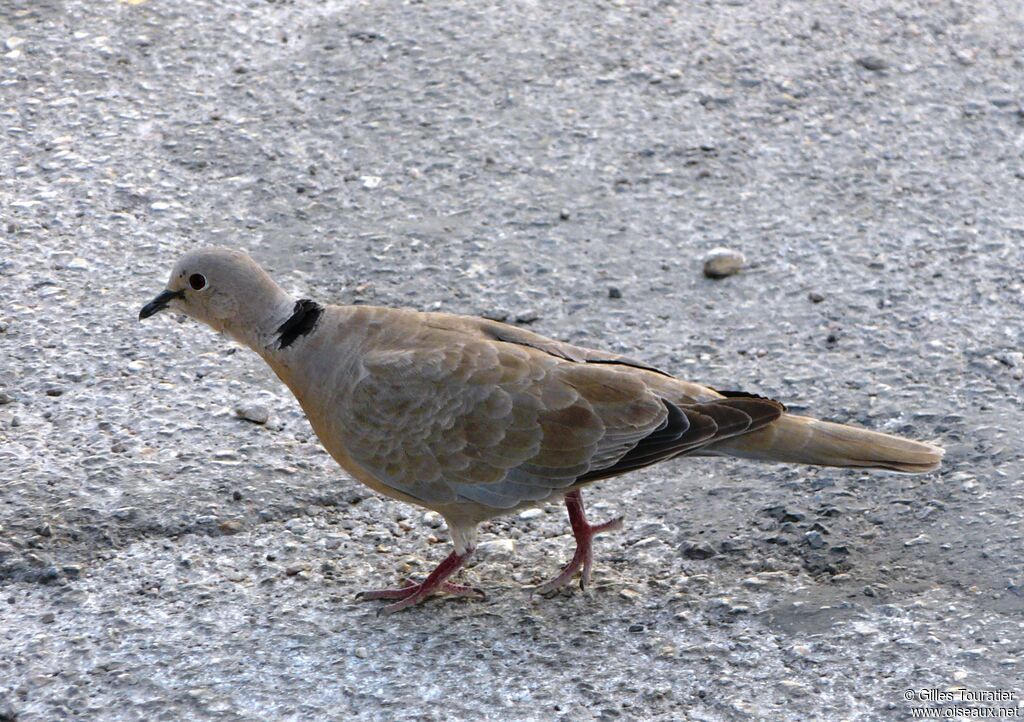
pixel 803 440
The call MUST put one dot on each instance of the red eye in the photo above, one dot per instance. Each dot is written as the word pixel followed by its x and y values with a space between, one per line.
pixel 197 281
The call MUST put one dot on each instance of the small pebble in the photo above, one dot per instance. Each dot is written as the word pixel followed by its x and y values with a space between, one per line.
pixel 723 262
pixel 614 292
pixel 816 297
pixel 647 542
pixel 256 413
pixel 234 575
pixel 531 513
pixel 698 550
pixel 966 56
pixel 873 63
pixel 916 541
pixel 231 526
pixel 814 539
pixel 793 687
pixel 47 618
pixel 362 652
pixel 497 549
pixel 1013 359
pixel 432 519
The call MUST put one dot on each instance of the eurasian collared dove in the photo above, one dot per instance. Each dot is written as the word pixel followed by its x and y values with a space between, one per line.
pixel 474 418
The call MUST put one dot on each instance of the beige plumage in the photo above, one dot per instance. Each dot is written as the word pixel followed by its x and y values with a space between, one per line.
pixel 474 418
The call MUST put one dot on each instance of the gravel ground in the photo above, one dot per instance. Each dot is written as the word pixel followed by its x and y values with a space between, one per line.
pixel 562 165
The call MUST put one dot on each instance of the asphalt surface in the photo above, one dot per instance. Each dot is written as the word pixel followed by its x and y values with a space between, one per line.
pixel 163 559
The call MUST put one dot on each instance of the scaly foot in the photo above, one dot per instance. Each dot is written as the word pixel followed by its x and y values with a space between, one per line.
pixel 412 593
pixel 584 532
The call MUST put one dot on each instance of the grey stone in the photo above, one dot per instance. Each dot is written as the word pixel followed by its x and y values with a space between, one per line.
pixel 256 413
pixel 231 526
pixel 496 549
pixel 1013 359
pixel 698 550
pixel 723 262
pixel 814 539
pixel 873 62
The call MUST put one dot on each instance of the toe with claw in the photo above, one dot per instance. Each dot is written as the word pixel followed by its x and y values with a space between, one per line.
pixel 583 559
pixel 411 593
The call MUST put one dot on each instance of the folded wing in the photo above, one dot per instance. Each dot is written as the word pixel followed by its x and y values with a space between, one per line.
pixel 447 416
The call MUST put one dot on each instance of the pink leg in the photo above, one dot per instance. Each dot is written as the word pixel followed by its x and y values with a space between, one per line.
pixel 584 532
pixel 410 593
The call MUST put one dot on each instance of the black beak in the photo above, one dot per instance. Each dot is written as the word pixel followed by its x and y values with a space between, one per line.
pixel 159 303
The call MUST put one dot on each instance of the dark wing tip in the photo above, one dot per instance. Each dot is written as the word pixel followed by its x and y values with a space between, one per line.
pixel 748 395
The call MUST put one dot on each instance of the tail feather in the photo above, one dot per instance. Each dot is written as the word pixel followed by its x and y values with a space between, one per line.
pixel 803 440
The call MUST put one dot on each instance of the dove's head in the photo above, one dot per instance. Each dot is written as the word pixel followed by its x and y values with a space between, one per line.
pixel 224 289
